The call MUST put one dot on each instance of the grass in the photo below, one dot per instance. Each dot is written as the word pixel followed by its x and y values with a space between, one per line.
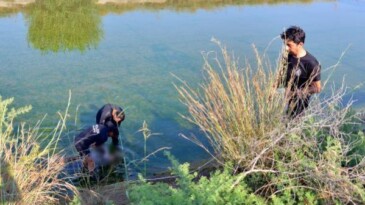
pixel 315 159
pixel 31 169
pixel 235 107
pixel 243 118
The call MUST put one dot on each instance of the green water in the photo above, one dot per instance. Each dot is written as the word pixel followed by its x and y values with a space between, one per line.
pixel 125 54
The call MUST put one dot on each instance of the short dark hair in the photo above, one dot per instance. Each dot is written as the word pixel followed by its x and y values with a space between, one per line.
pixel 294 33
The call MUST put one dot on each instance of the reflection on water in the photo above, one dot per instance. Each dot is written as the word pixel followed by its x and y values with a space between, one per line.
pixel 120 6
pixel 66 25
pixel 63 25
pixel 183 5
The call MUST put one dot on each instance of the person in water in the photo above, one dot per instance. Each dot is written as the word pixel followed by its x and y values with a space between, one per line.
pixel 94 136
pixel 110 115
pixel 303 72
pixel 108 119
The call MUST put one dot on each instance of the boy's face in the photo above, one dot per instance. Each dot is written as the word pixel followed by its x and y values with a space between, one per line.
pixel 292 47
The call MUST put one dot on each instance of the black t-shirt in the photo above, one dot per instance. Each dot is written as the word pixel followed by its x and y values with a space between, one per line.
pixel 302 71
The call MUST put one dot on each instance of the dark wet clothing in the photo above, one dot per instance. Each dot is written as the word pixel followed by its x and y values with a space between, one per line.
pixel 301 72
pixel 104 116
pixel 94 135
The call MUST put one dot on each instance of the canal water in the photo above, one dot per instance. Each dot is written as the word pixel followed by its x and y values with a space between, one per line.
pixel 128 54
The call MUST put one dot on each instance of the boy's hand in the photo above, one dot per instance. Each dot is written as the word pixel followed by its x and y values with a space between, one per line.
pixel 89 163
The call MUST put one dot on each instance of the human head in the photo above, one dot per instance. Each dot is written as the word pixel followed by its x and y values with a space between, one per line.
pixel 295 34
pixel 294 38
pixel 118 115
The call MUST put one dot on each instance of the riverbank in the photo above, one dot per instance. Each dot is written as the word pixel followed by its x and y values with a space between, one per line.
pixel 17 3
pixel 127 5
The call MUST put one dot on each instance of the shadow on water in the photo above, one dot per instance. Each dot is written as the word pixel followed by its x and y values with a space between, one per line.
pixel 63 25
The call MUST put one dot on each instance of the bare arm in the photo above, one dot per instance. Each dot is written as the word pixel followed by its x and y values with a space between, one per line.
pixel 315 87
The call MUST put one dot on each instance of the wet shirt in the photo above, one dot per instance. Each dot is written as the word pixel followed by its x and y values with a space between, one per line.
pixel 302 71
pixel 96 134
pixel 104 114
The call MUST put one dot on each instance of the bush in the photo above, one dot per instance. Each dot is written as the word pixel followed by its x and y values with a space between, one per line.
pixel 238 109
pixel 30 173
pixel 215 190
pixel 316 158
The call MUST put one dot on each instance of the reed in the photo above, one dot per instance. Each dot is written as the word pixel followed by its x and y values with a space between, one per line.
pixel 31 169
pixel 318 155
pixel 235 107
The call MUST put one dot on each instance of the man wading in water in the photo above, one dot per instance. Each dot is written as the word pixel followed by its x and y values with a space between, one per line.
pixel 108 119
pixel 303 72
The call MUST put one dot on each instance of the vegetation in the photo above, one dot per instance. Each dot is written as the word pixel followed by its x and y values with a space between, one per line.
pixel 215 190
pixel 315 159
pixel 31 169
pixel 186 5
pixel 264 157
pixel 237 109
pixel 177 5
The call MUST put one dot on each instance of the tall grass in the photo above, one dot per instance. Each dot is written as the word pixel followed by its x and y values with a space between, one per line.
pixel 31 168
pixel 236 107
pixel 317 155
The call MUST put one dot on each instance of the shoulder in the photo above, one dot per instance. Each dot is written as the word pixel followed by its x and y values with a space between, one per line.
pixel 106 107
pixel 310 59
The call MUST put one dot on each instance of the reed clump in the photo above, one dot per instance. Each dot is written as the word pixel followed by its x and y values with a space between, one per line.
pixel 31 170
pixel 235 107
pixel 315 158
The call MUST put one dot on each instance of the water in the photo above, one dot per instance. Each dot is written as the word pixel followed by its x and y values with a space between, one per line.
pixel 126 54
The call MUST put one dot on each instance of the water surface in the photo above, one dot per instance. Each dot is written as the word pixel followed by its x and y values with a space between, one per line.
pixel 125 54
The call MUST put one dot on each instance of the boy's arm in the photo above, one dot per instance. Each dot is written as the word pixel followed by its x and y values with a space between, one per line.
pixel 315 87
pixel 115 140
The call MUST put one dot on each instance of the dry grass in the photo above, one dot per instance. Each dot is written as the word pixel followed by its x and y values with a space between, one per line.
pixel 108 194
pixel 30 173
pixel 236 107
pixel 244 120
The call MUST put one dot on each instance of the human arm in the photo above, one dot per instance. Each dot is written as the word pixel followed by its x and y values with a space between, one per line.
pixel 314 87
pixel 89 163
pixel 115 140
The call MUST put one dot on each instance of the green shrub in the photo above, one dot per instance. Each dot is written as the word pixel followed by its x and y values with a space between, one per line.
pixel 213 190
